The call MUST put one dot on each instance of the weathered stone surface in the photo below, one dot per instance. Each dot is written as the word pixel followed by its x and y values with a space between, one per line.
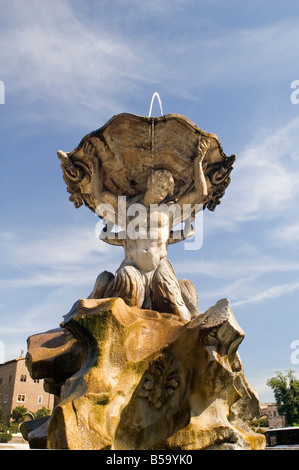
pixel 54 356
pixel 36 432
pixel 129 147
pixel 136 366
pixel 151 380
pixel 159 167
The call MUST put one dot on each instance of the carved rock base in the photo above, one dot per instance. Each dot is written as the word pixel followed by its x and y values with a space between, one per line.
pixel 145 380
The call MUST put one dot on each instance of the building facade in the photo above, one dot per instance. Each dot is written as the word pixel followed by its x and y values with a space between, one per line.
pixel 17 388
pixel 274 419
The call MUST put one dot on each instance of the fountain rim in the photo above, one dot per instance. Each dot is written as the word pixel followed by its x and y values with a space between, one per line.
pixel 166 117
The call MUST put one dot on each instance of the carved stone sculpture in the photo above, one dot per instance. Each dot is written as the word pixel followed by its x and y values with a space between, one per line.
pixel 136 365
pixel 159 167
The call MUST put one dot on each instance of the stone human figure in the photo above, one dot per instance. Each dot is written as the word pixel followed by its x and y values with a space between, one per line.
pixel 146 278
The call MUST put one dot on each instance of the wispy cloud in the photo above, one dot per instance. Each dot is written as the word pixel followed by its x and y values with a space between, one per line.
pixel 253 263
pixel 66 63
pixel 271 293
pixel 264 182
pixel 287 233
pixel 86 70
pixel 62 257
pixel 255 53
pixel 43 274
pixel 244 275
pixel 62 246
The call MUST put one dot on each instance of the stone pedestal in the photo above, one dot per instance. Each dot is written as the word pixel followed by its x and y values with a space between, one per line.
pixel 127 378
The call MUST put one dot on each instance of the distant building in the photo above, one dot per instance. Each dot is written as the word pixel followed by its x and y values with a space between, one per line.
pixel 18 388
pixel 274 419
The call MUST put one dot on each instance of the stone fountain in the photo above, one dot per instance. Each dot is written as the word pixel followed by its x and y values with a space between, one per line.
pixel 136 365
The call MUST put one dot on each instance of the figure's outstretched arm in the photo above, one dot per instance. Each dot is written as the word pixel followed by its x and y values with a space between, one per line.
pixel 113 241
pixel 113 238
pixel 180 235
pixel 200 192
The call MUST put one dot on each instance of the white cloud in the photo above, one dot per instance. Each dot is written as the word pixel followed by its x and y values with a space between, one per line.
pixel 63 257
pixel 84 69
pixel 154 8
pixel 54 57
pixel 240 56
pixel 61 247
pixel 239 265
pixel 43 274
pixel 271 293
pixel 53 279
pixel 243 274
pixel 287 233
pixel 264 183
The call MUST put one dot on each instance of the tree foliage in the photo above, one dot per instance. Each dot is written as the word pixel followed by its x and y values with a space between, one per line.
pixel 18 414
pixel 42 412
pixel 5 434
pixel 286 392
pixel 3 426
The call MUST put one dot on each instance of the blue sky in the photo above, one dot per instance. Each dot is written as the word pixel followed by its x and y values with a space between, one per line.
pixel 68 67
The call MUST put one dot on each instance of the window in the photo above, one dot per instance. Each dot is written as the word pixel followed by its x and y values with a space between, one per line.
pixel 10 377
pixel 21 398
pixel 40 399
pixel 23 378
pixel 5 400
pixel 36 381
pixel 1 380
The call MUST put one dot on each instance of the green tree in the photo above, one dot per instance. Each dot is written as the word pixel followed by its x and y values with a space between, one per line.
pixel 42 412
pixel 3 426
pixel 18 414
pixel 5 434
pixel 260 422
pixel 286 392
